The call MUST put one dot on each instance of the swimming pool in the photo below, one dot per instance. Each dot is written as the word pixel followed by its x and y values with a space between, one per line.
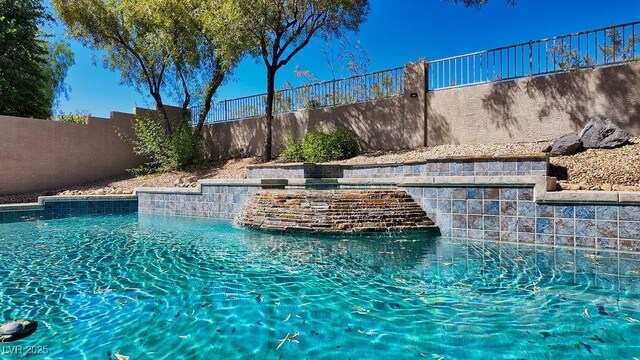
pixel 169 288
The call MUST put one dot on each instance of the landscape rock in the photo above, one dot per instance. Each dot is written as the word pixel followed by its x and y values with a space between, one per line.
pixel 16 330
pixel 566 145
pixel 601 133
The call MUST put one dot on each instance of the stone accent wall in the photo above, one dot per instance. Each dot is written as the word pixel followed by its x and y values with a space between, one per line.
pixel 510 208
pixel 508 213
pixel 214 201
pixel 334 211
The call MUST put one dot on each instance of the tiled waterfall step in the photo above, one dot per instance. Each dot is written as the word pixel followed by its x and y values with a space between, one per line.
pixel 335 211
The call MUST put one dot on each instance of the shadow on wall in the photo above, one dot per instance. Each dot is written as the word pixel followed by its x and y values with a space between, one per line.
pixel 621 89
pixel 611 92
pixel 438 128
pixel 500 102
pixel 378 124
pixel 234 138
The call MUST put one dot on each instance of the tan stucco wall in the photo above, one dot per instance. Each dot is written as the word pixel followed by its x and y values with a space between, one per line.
pixel 529 109
pixel 379 125
pixel 540 108
pixel 384 124
pixel 40 155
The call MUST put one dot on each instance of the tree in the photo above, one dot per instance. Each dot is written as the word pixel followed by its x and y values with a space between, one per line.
pixel 158 46
pixel 279 29
pixel 60 59
pixel 32 70
pixel 345 58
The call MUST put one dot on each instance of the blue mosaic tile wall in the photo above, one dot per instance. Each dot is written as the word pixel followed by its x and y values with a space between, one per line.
pixel 61 209
pixel 510 214
pixel 489 167
pixel 220 202
pixel 479 167
pixel 606 270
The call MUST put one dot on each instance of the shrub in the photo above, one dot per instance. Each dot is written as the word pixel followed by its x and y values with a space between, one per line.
pixel 319 146
pixel 316 147
pixel 79 117
pixel 292 150
pixel 164 152
pixel 345 141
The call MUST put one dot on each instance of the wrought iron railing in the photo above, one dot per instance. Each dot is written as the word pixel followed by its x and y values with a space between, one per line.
pixel 377 85
pixel 601 47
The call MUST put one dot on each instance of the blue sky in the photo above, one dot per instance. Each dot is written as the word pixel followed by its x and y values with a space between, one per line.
pixel 397 31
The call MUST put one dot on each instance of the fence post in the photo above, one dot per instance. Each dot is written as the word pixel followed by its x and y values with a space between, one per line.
pixel 226 116
pixel 334 93
pixel 530 58
pixel 427 68
pixel 412 122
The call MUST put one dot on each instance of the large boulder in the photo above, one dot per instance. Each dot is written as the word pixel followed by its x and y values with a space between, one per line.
pixel 601 133
pixel 566 145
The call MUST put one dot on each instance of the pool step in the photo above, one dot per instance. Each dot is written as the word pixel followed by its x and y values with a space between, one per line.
pixel 334 211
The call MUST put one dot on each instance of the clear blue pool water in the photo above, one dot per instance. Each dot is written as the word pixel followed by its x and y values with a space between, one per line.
pixel 176 288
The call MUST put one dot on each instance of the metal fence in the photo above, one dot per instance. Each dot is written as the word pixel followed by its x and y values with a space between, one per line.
pixel 377 85
pixel 601 47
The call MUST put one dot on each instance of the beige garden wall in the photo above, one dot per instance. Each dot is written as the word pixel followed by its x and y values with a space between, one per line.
pixel 384 124
pixel 528 109
pixel 40 155
pixel 533 109
pixel 379 124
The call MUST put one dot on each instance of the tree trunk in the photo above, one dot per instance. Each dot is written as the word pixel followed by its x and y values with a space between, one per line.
pixel 163 112
pixel 215 83
pixel 271 77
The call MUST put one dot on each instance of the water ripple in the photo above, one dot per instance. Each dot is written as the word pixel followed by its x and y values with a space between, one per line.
pixel 172 288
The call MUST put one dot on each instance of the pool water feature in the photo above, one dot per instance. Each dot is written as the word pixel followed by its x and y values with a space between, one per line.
pixel 168 288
